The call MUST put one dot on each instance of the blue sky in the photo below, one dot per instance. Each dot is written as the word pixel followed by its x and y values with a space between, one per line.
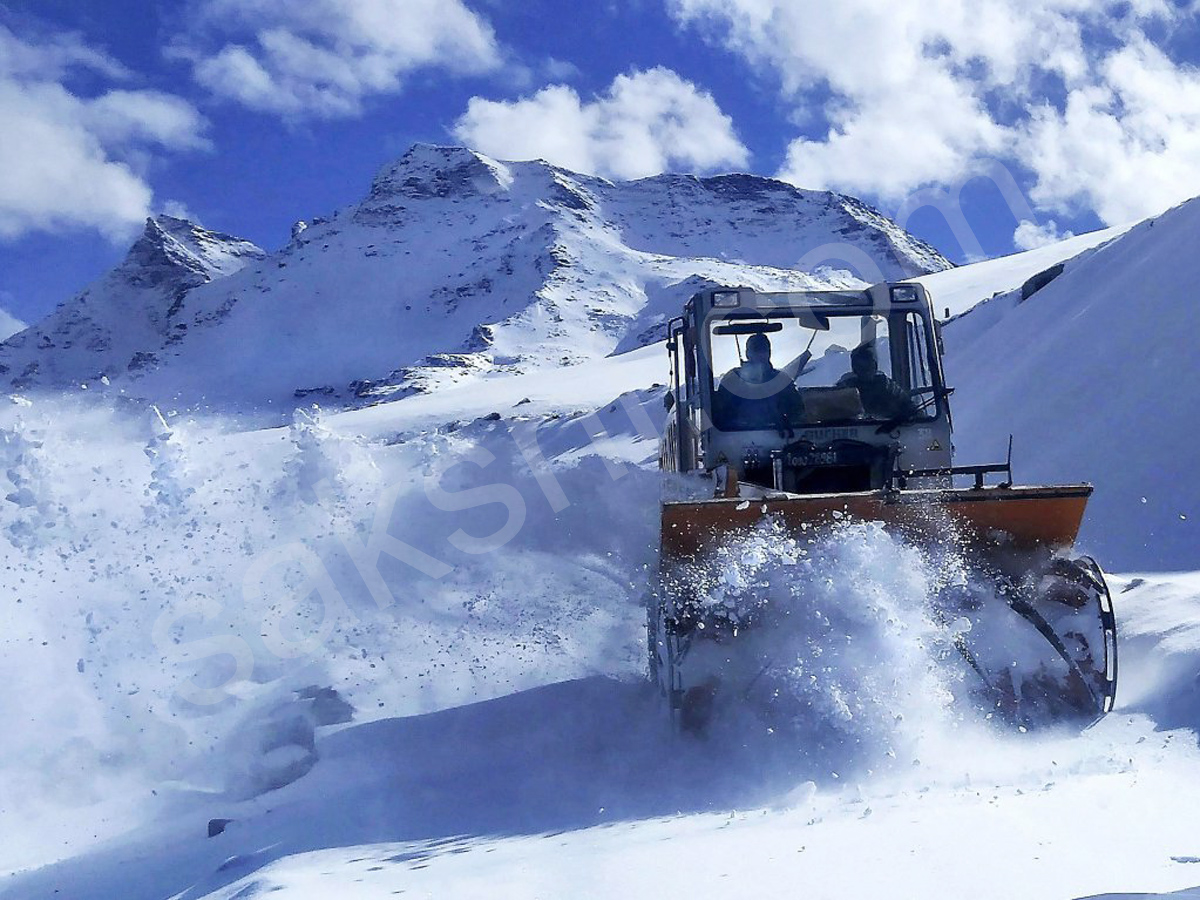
pixel 1044 118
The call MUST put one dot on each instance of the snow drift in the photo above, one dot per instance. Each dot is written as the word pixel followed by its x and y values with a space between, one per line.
pixel 1091 375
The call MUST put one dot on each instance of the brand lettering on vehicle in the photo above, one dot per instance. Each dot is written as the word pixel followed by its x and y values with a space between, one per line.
pixel 830 434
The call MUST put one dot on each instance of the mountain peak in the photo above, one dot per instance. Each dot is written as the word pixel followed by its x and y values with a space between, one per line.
pixel 177 249
pixel 430 170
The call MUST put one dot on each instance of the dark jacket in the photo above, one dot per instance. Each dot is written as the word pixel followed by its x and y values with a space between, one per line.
pixel 881 397
pixel 740 405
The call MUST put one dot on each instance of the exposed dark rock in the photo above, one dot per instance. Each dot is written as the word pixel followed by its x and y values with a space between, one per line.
pixel 217 826
pixel 326 706
pixel 1040 280
pixel 323 391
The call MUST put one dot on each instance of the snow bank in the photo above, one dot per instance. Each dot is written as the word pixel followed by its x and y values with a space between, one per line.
pixel 959 289
pixel 469 713
pixel 1091 375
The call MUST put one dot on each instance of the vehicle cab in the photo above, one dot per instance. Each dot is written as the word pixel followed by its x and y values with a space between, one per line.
pixel 808 392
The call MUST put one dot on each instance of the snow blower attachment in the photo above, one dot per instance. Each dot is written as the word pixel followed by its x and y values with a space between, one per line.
pixel 809 411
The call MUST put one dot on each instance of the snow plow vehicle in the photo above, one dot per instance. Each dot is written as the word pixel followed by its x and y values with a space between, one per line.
pixel 855 427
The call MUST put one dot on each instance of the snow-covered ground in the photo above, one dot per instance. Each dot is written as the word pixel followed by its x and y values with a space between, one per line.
pixel 465 569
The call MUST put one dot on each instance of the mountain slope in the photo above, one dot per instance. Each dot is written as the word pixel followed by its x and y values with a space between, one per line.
pixel 124 322
pixel 455 265
pixel 955 291
pixel 1093 375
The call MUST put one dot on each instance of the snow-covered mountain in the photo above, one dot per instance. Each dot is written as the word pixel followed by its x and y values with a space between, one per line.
pixel 128 320
pixel 453 264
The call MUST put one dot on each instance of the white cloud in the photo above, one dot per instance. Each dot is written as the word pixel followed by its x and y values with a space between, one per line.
pixel 51 58
pixel 178 210
pixel 646 123
pixel 322 58
pixel 888 145
pixel 65 159
pixel 1030 235
pixel 559 69
pixel 9 324
pixel 920 94
pixel 1127 146
pixel 121 117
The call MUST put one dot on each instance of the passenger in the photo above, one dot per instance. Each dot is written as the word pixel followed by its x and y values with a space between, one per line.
pixel 756 395
pixel 882 398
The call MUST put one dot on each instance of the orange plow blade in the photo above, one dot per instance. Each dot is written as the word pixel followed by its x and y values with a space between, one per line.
pixel 1026 517
pixel 1026 600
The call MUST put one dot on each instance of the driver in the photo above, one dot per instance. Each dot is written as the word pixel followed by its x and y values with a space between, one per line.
pixel 756 395
pixel 882 398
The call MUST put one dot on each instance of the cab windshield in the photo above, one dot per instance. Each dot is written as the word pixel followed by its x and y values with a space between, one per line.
pixel 820 369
